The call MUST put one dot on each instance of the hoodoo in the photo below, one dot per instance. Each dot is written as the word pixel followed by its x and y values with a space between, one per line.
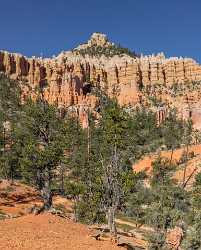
pixel 99 62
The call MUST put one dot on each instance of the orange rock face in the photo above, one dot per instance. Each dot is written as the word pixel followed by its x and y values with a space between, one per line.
pixel 121 76
pixel 65 79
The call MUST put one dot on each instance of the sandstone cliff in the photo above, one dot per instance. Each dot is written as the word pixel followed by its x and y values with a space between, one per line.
pixel 122 75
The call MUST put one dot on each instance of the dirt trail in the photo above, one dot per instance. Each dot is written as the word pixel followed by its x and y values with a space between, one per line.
pixel 124 222
pixel 120 221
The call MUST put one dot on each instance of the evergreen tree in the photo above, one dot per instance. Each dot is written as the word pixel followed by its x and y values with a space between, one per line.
pixel 173 130
pixel 100 165
pixel 138 200
pixel 169 204
pixel 192 239
pixel 113 157
pixel 10 106
pixel 187 139
pixel 10 102
pixel 145 134
pixel 83 181
pixel 43 136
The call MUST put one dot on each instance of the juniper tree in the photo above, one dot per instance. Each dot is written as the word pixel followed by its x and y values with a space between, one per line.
pixel 169 204
pixel 106 176
pixel 145 134
pixel 10 94
pixel 173 131
pixel 187 138
pixel 100 165
pixel 10 106
pixel 192 238
pixel 116 169
pixel 138 200
pixel 84 180
pixel 43 136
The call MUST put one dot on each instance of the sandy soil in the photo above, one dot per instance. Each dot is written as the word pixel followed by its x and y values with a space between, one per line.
pixel 16 199
pixel 48 232
pixel 45 231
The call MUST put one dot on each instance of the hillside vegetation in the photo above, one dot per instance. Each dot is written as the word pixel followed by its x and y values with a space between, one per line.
pixel 93 168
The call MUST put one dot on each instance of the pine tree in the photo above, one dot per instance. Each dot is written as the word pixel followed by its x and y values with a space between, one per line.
pixel 187 138
pixel 173 130
pixel 84 179
pixel 43 136
pixel 114 160
pixel 169 204
pixel 192 238
pixel 101 172
pixel 145 134
pixel 10 106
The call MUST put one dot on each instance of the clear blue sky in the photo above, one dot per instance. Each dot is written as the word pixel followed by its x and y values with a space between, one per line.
pixel 146 26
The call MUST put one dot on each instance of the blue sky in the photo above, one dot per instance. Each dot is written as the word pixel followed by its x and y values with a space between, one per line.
pixel 32 27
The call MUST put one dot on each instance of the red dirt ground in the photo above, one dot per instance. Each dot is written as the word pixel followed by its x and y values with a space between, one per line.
pixel 16 199
pixel 48 232
pixel 45 231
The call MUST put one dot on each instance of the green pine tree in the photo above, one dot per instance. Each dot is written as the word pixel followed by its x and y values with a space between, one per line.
pixel 10 107
pixel 44 137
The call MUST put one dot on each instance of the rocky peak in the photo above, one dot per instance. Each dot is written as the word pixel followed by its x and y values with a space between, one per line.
pixel 96 39
pixel 99 39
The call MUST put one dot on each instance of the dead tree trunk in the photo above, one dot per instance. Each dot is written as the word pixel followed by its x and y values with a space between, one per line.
pixel 171 156
pixel 188 179
pixel 112 187
pixel 62 180
pixel 111 221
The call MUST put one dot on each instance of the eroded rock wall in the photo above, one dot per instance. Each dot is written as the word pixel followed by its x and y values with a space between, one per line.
pixel 123 76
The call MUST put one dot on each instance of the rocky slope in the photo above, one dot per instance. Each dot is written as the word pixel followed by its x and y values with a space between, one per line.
pixel 68 76
pixel 192 165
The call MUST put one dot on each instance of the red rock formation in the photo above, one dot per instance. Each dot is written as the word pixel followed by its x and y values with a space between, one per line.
pixel 119 75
